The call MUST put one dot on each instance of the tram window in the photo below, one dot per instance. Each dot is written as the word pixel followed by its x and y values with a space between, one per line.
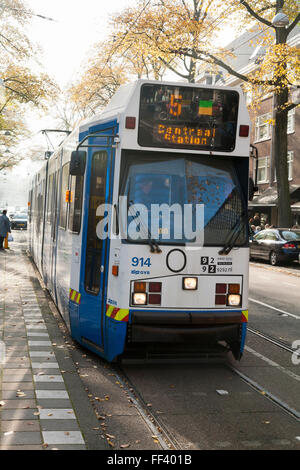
pixel 94 244
pixel 181 183
pixel 50 196
pixel 75 212
pixel 63 203
pixel 30 206
pixel 40 199
pixel 54 204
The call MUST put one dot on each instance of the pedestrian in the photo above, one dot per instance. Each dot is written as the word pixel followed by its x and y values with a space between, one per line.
pixel 4 227
pixel 256 219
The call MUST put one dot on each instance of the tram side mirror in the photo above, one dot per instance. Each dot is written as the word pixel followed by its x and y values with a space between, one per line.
pixel 252 189
pixel 77 163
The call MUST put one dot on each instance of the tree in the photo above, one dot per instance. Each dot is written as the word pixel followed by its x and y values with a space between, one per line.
pixel 161 28
pixel 101 77
pixel 19 86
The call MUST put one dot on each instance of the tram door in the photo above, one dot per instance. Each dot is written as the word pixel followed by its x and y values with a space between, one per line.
pixel 94 266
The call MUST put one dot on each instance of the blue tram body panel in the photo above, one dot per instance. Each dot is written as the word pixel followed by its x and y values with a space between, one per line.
pixel 93 280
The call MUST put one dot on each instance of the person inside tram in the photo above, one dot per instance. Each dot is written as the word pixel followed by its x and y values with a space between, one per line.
pixel 151 189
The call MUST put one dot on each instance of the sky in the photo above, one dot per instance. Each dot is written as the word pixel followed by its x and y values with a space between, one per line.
pixel 77 26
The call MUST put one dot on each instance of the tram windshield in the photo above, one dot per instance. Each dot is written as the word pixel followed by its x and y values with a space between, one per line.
pixel 181 199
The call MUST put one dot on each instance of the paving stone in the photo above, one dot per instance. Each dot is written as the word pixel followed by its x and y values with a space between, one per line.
pixel 21 438
pixel 48 378
pixel 12 394
pixel 59 424
pixel 22 447
pixel 17 386
pixel 19 377
pixel 48 413
pixel 61 437
pixel 54 403
pixel 19 414
pixel 11 371
pixel 52 394
pixel 20 425
pixel 18 404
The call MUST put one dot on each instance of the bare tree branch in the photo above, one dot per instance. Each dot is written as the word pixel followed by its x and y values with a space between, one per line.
pixel 255 15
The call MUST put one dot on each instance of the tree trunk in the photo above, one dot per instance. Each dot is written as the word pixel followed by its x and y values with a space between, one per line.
pixel 280 143
pixel 280 157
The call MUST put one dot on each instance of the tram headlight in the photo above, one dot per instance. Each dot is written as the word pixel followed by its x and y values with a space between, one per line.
pixel 190 283
pixel 139 298
pixel 234 300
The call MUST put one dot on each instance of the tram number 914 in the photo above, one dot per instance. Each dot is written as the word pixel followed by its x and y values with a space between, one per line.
pixel 172 459
pixel 140 261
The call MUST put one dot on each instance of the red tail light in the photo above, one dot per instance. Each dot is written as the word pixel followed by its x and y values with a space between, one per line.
pixel 221 288
pixel 130 122
pixel 220 299
pixel 154 299
pixel 154 286
pixel 244 131
pixel 289 245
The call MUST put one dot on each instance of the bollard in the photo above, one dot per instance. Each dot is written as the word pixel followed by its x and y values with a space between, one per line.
pixel 6 241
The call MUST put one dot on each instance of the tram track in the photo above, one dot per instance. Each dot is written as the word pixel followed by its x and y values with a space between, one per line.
pixel 267 394
pixel 158 429
pixel 272 340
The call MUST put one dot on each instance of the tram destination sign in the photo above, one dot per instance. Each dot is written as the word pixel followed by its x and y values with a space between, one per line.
pixel 188 117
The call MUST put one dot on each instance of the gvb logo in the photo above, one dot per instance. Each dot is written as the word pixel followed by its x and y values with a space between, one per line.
pixel 2 352
pixel 296 354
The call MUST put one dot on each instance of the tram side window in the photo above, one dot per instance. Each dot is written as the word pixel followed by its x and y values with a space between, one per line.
pixel 94 244
pixel 49 202
pixel 40 206
pixel 63 203
pixel 76 187
pixel 30 206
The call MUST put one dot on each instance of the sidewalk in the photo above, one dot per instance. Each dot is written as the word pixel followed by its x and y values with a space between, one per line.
pixel 43 403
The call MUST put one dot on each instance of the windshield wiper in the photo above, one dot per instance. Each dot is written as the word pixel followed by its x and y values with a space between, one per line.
pixel 154 247
pixel 233 235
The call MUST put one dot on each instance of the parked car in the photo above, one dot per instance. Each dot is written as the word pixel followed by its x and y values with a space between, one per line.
pixel 276 245
pixel 19 221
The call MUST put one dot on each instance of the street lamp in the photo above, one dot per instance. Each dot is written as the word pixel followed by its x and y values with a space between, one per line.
pixel 280 20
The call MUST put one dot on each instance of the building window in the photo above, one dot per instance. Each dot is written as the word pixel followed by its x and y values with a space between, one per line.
pixel 291 121
pixel 248 97
pixel 290 159
pixel 262 170
pixel 262 127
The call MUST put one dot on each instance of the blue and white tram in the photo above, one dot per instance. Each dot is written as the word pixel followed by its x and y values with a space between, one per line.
pixel 107 220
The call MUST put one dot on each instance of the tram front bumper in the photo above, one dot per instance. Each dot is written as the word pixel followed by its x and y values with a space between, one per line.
pixel 162 327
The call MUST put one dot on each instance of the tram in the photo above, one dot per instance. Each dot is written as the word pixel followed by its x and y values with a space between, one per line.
pixel 138 221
